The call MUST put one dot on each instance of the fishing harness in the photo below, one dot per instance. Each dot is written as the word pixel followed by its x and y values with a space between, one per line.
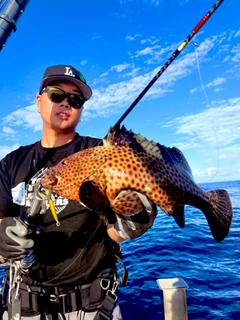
pixel 100 295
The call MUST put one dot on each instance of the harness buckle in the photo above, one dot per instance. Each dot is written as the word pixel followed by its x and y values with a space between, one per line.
pixel 114 287
pixel 112 293
pixel 55 303
pixel 53 297
pixel 104 283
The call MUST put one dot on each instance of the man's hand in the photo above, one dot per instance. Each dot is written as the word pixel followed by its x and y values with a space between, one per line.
pixel 131 226
pixel 13 244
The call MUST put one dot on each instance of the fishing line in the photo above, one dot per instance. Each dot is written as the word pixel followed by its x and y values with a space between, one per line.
pixel 211 118
pixel 78 256
pixel 214 127
pixel 230 3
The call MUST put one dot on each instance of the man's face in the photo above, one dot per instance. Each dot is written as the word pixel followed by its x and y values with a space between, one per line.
pixel 59 116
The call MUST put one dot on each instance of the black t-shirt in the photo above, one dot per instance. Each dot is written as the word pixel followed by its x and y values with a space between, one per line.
pixel 77 250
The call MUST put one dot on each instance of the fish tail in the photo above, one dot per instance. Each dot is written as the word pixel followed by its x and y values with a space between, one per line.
pixel 219 216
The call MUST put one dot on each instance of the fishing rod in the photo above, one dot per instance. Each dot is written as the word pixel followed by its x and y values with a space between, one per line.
pixel 170 60
pixel 9 17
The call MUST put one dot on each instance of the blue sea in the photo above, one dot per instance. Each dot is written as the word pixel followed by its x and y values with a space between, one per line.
pixel 210 269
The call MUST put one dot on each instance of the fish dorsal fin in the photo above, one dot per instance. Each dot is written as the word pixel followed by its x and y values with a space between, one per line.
pixel 148 146
pixel 137 142
pixel 173 156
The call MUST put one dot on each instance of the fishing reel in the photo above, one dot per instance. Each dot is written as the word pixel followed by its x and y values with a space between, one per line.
pixel 32 219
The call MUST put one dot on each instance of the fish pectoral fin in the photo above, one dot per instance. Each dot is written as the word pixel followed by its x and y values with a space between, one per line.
pixel 91 195
pixel 179 216
pixel 127 202
pixel 219 217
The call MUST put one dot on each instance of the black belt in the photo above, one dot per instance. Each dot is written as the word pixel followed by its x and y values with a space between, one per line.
pixel 48 300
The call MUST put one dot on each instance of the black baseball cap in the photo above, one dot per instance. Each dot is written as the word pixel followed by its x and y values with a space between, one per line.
pixel 66 73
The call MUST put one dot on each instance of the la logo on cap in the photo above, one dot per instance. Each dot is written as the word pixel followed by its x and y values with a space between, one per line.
pixel 69 72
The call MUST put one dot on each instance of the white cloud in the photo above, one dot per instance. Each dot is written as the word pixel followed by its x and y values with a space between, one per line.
pixel 132 38
pixel 151 40
pixel 147 51
pixel 236 57
pixel 218 89
pixel 104 74
pixel 83 62
pixel 6 149
pixel 218 125
pixel 95 36
pixel 25 117
pixel 237 34
pixel 193 90
pixel 149 2
pixel 8 131
pixel 226 59
pixel 216 82
pixel 208 172
pixel 154 2
pixel 132 73
pixel 120 67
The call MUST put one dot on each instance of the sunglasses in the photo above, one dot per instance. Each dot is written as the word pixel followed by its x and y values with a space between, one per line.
pixel 58 95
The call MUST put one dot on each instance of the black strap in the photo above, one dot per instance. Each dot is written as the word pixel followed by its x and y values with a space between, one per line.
pixel 105 313
pixel 110 300
pixel 41 163
pixel 124 279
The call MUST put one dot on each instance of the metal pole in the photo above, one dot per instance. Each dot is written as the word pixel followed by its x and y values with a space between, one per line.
pixel 174 298
pixel 9 18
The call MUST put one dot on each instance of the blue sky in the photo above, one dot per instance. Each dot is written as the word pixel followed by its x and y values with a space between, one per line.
pixel 119 45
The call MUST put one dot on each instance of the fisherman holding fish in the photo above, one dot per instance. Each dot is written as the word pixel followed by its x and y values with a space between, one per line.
pixel 73 274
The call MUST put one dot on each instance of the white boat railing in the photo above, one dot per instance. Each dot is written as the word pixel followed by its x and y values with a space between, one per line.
pixel 174 298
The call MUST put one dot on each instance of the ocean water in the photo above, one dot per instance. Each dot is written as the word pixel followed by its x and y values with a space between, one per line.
pixel 210 269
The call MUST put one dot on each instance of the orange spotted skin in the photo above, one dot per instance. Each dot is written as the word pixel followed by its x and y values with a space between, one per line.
pixel 104 177
pixel 118 168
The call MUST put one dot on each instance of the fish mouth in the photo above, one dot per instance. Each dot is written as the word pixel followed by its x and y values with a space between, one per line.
pixel 49 179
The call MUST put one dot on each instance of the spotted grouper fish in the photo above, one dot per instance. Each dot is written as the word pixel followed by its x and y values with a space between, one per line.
pixel 109 177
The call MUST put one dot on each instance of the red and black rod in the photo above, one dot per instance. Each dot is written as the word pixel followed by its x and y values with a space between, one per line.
pixel 170 60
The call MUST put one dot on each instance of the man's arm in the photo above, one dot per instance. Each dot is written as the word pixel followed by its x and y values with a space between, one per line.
pixel 113 234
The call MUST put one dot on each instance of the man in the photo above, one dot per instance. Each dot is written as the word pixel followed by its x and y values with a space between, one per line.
pixel 74 268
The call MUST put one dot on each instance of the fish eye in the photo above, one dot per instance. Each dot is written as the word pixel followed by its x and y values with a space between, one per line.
pixel 64 161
